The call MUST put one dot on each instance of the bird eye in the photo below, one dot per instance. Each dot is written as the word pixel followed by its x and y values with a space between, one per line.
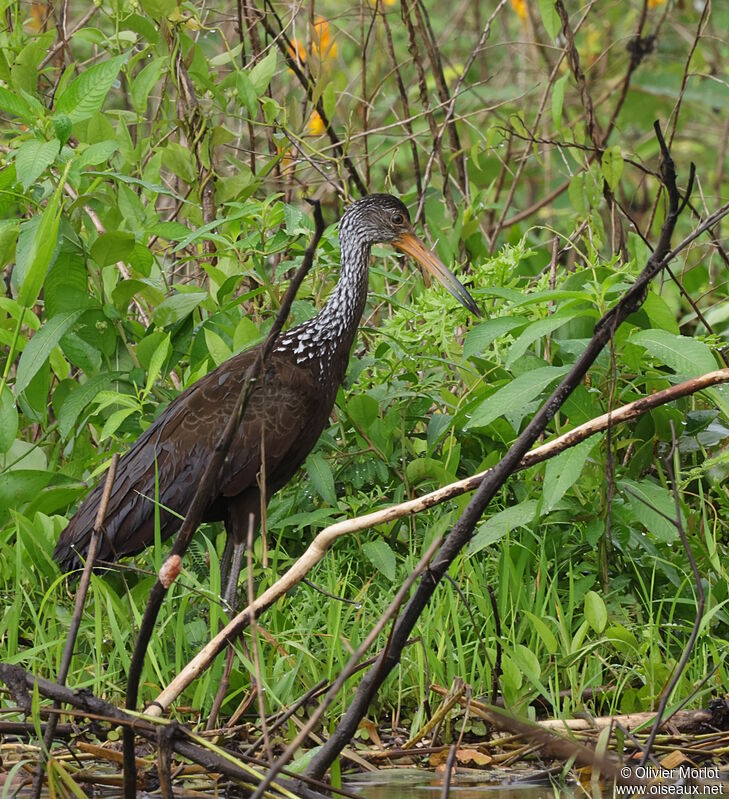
pixel 397 218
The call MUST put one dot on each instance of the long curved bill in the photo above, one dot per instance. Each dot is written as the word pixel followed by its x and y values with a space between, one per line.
pixel 410 244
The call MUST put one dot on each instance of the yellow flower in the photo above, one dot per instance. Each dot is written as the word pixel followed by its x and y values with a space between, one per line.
pixel 520 7
pixel 316 124
pixel 655 3
pixel 322 44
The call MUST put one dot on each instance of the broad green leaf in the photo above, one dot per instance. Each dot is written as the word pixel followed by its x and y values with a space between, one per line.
pixel 38 349
pixel 515 394
pixel 263 71
pixel 41 251
pixel 85 95
pixel 112 247
pixel 217 348
pixel 177 307
pixel 563 471
pixel 380 555
pixel 8 420
pixel 144 82
pixel 537 330
pixel 546 635
pixel 502 523
pixel 622 639
pixel 33 158
pixel 246 92
pixel 612 166
pixel 558 99
pixel 98 153
pixel 686 356
pixel 320 474
pixel 651 504
pixel 157 361
pixel 363 410
pixel 576 193
pixel 62 127
pixel 329 100
pixel 595 611
pixel 159 9
pixel 527 661
pixel 15 104
pixel 245 333
pixel 114 421
pixel 79 398
pixel 9 229
pixel 550 18
pixel 480 338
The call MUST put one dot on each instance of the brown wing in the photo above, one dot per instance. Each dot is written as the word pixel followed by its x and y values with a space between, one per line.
pixel 173 451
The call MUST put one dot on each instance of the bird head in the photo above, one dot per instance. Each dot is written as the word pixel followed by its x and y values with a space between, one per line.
pixel 383 219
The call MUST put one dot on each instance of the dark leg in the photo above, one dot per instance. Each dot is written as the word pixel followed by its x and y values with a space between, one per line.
pixel 237 521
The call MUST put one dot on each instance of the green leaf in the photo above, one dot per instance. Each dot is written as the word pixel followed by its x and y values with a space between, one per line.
pixel 85 95
pixel 595 611
pixel 159 9
pixel 480 338
pixel 114 421
pixel 217 348
pixel 179 159
pixel 502 523
pixel 62 126
pixel 576 193
pixel 651 504
pixel 112 247
pixel 527 661
pixel 686 356
pixel 144 82
pixel 622 639
pixel 33 158
pixel 177 307
pixel 8 420
pixel 79 398
pixel 40 253
pixel 537 330
pixel 320 474
pixel 15 104
pixel 547 636
pixel 98 153
pixel 38 349
pixel 157 361
pixel 558 99
pixel 550 18
pixel 246 92
pixel 329 100
pixel 363 410
pixel 263 71
pixel 612 166
pixel 515 394
pixel 380 555
pixel 563 471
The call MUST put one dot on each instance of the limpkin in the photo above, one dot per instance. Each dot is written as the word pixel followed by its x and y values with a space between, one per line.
pixel 291 404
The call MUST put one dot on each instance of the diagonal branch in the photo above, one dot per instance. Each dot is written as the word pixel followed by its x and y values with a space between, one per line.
pixel 461 533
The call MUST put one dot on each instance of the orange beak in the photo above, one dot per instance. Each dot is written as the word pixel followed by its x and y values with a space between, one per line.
pixel 410 244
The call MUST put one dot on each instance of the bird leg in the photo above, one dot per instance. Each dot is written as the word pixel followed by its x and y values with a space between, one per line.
pixel 239 511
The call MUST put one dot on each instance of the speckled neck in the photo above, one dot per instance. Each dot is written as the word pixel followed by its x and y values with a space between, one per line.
pixel 328 337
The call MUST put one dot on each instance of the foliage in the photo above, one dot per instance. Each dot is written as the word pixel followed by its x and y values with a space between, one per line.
pixel 153 172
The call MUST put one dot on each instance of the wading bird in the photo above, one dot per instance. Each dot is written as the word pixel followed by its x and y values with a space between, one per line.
pixel 289 407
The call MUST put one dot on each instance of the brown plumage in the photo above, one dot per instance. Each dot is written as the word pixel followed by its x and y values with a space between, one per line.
pixel 291 406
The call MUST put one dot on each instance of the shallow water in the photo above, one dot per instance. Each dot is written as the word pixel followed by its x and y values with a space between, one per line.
pixel 418 784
